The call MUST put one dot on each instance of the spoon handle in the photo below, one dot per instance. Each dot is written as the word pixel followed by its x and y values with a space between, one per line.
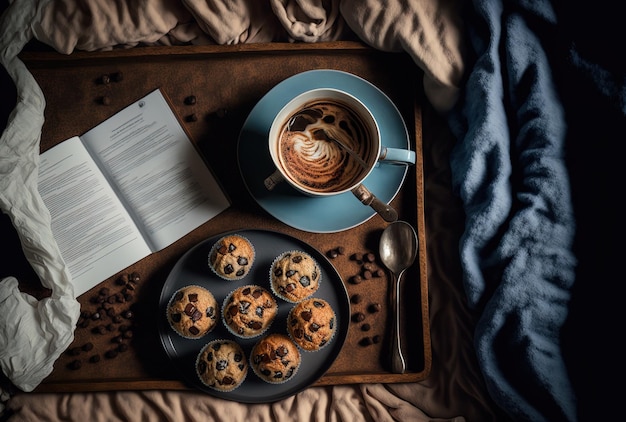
pixel 398 365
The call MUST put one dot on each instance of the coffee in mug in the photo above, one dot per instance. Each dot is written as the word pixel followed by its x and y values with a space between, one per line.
pixel 325 146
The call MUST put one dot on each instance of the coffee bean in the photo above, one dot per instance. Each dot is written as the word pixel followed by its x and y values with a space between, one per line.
pixel 355 257
pixel 356 279
pixel 374 307
pixel 356 298
pixel 365 341
pixel 74 351
pixel 368 266
pixel 110 354
pixel 75 364
pixel 358 316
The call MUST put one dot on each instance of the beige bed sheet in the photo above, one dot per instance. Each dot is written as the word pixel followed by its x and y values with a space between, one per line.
pixel 431 33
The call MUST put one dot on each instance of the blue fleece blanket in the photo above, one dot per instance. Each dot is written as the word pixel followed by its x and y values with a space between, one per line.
pixel 510 169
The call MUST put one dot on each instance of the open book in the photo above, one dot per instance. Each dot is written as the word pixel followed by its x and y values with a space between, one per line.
pixel 127 188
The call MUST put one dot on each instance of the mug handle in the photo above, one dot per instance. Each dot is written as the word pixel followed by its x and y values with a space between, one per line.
pixel 397 156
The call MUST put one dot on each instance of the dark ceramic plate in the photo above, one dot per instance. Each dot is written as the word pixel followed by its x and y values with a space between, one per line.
pixel 192 268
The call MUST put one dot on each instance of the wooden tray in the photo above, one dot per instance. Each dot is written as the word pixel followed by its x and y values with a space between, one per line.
pixel 227 81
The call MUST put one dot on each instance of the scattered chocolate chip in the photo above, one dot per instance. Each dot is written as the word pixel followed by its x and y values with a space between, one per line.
pixel 105 79
pixel 376 339
pixel 128 314
pixel 128 334
pixel 94 359
pixel 190 100
pixel 135 277
pixel 332 254
pixel 378 273
pixel 192 117
pixel 369 257
pixel 95 316
pixel 341 250
pixel 117 76
pixel 105 100
pixel 221 113
pixel 122 347
pixel 367 274
pixel 104 291
pixel 366 327
pixel 87 346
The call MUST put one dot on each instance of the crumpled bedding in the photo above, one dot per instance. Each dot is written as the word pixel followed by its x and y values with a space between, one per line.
pixel 491 69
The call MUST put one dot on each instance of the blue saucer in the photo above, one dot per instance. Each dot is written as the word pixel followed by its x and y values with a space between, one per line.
pixel 329 214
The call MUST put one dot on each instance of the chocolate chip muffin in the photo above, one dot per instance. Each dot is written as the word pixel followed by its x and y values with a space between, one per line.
pixel 249 310
pixel 275 358
pixel 192 312
pixel 231 257
pixel 294 276
pixel 222 365
pixel 311 324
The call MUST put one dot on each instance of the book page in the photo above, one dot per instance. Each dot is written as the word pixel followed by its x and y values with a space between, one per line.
pixel 95 235
pixel 156 170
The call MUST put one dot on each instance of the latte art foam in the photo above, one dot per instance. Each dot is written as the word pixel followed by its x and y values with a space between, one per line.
pixel 311 157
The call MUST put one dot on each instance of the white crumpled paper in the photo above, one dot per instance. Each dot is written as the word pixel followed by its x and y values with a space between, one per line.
pixel 33 333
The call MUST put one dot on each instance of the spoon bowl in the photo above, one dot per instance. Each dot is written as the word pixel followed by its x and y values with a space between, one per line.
pixel 398 250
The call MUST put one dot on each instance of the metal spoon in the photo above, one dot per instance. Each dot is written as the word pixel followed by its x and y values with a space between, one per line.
pixel 397 249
